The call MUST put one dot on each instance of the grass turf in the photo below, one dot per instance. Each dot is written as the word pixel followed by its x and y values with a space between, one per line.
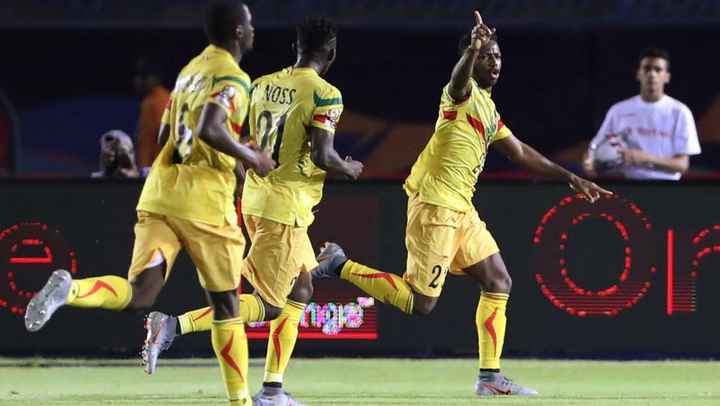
pixel 324 382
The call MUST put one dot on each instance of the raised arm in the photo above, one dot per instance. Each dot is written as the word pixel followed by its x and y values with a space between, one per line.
pixel 323 154
pixel 213 131
pixel 459 88
pixel 523 154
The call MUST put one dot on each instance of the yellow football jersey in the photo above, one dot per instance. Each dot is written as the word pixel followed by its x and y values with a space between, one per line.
pixel 189 179
pixel 283 106
pixel 447 170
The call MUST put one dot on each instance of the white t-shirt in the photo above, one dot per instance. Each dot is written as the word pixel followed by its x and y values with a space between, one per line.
pixel 664 128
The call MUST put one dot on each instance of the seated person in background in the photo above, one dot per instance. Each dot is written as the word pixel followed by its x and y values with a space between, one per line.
pixel 117 156
pixel 649 136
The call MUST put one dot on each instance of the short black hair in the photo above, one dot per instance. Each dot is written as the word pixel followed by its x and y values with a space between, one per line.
pixel 653 52
pixel 464 42
pixel 314 34
pixel 221 18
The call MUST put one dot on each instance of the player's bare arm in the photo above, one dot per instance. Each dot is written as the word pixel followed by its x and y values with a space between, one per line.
pixel 635 157
pixel 523 154
pixel 239 170
pixel 459 88
pixel 212 130
pixel 323 155
pixel 246 138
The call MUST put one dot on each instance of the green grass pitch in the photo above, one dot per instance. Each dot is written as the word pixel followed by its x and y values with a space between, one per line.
pixel 325 382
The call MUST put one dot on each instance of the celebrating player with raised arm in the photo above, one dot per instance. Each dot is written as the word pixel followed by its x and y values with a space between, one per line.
pixel 188 201
pixel 293 115
pixel 444 232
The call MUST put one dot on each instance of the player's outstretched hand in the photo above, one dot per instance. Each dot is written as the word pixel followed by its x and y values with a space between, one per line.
pixel 589 189
pixel 355 168
pixel 481 33
pixel 263 165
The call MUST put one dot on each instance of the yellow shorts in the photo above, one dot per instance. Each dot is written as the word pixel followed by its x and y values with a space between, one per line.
pixel 440 240
pixel 278 253
pixel 216 251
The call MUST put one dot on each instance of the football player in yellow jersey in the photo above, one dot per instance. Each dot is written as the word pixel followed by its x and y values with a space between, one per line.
pixel 293 116
pixel 444 233
pixel 187 200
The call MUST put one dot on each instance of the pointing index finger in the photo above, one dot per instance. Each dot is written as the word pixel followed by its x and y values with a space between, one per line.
pixel 478 18
pixel 604 191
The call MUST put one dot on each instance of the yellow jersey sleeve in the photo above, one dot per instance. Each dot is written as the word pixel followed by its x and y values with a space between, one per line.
pixel 448 100
pixel 232 94
pixel 502 132
pixel 328 108
pixel 451 109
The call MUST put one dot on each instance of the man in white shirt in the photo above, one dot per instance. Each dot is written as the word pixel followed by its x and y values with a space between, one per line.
pixel 655 133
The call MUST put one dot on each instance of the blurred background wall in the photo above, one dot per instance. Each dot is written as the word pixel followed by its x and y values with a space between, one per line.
pixel 649 295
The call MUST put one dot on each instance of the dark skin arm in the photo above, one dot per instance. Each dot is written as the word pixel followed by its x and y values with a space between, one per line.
pixel 164 134
pixel 459 87
pixel 523 154
pixel 212 130
pixel 239 168
pixel 323 154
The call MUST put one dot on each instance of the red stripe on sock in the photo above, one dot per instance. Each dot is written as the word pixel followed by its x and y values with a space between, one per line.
pixel 377 275
pixel 205 313
pixel 96 287
pixel 491 329
pixel 276 341
pixel 225 353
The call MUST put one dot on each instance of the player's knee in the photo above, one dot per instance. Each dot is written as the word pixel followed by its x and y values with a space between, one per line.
pixel 225 304
pixel 271 312
pixel 499 283
pixel 147 286
pixel 423 305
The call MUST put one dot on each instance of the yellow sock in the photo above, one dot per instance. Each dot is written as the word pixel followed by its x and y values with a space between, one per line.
pixel 385 287
pixel 251 309
pixel 106 292
pixel 281 342
pixel 196 320
pixel 490 321
pixel 231 349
